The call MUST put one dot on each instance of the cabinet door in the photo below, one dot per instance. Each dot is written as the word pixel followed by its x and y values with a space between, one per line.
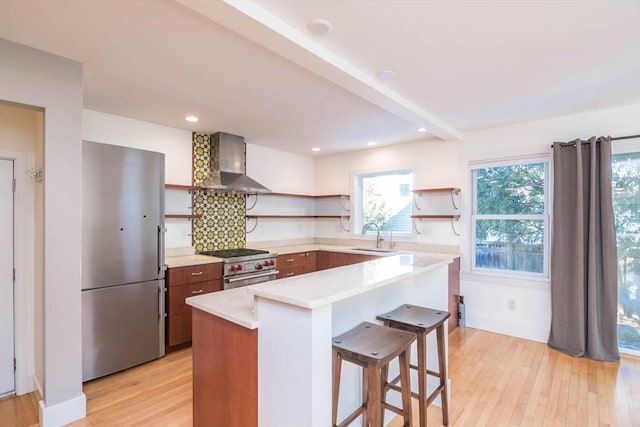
pixel 323 260
pixel 179 330
pixel 311 263
pixel 338 259
pixel 176 295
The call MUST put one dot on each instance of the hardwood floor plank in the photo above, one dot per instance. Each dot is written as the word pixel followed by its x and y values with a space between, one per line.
pixel 496 381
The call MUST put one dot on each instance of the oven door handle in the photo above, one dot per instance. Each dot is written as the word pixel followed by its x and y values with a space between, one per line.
pixel 251 276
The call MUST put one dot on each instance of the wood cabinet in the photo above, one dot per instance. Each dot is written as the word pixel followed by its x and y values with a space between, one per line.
pixel 225 373
pixel 454 293
pixel 184 282
pixel 326 260
pixel 296 263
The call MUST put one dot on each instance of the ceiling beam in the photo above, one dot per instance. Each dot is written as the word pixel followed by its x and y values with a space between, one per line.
pixel 267 30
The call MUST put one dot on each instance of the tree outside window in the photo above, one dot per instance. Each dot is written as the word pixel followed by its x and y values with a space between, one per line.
pixel 385 200
pixel 510 218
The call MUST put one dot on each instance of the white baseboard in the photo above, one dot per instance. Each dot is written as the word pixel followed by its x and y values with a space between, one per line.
pixel 515 330
pixel 37 388
pixel 63 412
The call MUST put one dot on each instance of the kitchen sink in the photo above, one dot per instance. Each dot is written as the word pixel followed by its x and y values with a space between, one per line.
pixel 381 251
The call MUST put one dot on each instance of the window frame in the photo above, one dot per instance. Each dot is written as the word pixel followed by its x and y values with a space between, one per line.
pixel 357 217
pixel 545 216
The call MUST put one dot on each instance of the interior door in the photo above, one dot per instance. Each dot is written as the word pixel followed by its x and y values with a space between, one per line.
pixel 7 376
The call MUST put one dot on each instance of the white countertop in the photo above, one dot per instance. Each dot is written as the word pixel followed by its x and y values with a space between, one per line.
pixel 235 305
pixel 195 259
pixel 185 260
pixel 324 287
pixel 317 289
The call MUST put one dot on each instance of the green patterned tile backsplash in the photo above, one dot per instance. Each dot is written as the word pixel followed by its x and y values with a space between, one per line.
pixel 222 222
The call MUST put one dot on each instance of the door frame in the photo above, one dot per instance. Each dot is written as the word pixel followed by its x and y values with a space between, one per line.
pixel 24 263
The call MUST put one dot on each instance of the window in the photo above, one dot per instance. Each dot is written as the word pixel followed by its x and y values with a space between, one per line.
pixel 626 206
pixel 510 218
pixel 384 198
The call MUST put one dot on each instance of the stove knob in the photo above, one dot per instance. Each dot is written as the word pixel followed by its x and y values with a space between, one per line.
pixel 258 266
pixel 239 267
pixel 272 262
pixel 232 268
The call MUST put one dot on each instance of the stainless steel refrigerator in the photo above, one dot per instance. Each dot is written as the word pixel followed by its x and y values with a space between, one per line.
pixel 122 258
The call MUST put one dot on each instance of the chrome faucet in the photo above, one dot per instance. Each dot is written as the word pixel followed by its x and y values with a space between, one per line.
pixel 379 239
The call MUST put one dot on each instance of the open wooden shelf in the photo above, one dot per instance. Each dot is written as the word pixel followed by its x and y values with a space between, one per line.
pixel 299 216
pixel 437 190
pixel 435 216
pixel 182 187
pixel 304 196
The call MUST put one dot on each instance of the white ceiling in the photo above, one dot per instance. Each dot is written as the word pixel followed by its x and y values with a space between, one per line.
pixel 252 68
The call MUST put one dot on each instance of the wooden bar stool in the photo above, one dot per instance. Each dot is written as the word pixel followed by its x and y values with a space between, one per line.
pixel 421 321
pixel 372 347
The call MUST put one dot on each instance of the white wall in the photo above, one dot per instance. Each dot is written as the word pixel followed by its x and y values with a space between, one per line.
pixel 487 297
pixel 174 143
pixel 281 172
pixel 435 164
pixel 31 77
pixel 446 164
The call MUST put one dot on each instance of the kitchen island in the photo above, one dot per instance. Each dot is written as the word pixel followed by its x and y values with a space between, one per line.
pixel 270 344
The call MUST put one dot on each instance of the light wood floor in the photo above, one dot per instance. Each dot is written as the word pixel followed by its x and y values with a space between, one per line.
pixel 496 381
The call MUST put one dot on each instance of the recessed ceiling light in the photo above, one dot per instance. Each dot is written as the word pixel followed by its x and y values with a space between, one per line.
pixel 371 143
pixel 191 118
pixel 422 130
pixel 386 74
pixel 315 149
pixel 319 27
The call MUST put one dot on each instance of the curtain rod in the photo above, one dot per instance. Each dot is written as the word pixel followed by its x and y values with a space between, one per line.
pixel 567 144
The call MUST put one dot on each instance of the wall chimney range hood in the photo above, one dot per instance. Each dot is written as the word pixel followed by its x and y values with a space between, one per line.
pixel 227 166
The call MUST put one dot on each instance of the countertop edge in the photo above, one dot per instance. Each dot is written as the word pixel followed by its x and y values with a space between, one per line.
pixel 266 294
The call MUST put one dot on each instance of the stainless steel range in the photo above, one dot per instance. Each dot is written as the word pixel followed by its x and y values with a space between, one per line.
pixel 243 267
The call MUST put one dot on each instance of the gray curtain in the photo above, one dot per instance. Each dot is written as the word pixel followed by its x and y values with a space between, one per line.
pixel 584 289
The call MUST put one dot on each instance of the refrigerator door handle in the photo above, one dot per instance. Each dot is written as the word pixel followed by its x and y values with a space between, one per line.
pixel 160 310
pixel 160 250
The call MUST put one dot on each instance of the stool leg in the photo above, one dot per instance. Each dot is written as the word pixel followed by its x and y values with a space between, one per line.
pixel 422 377
pixel 337 368
pixel 365 397
pixel 405 384
pixel 374 406
pixel 442 369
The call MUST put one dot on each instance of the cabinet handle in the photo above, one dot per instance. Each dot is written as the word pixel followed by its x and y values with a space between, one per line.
pixel 290 274
pixel 199 273
pixel 199 291
pixel 290 259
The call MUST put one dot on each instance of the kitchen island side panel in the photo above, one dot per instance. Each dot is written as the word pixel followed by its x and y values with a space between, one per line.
pixel 225 373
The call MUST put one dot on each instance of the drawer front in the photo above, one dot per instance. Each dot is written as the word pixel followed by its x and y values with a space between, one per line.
pixel 291 271
pixel 177 294
pixel 178 329
pixel 193 273
pixel 291 260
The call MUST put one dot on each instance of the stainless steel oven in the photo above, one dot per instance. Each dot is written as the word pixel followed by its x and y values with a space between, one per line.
pixel 243 267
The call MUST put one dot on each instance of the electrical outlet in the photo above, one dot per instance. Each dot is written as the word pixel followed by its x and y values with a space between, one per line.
pixel 511 304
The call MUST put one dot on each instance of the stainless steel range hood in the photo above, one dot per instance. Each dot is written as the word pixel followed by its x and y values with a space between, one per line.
pixel 227 166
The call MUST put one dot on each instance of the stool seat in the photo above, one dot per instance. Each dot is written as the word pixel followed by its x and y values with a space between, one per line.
pixel 421 321
pixel 414 317
pixel 372 347
pixel 371 344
